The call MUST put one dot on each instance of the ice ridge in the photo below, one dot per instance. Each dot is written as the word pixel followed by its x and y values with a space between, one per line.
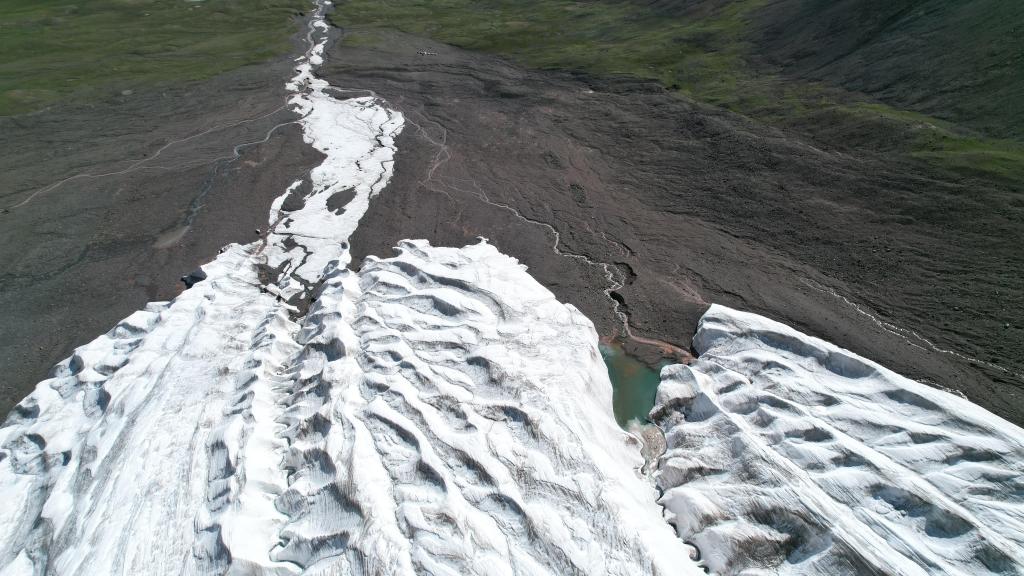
pixel 438 412
pixel 789 455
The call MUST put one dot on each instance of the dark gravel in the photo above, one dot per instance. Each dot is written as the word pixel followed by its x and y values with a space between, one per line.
pixel 77 259
pixel 693 205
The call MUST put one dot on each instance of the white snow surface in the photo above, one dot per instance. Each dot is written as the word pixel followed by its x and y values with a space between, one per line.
pixel 438 412
pixel 789 455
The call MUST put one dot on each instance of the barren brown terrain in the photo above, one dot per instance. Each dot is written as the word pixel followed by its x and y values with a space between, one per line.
pixel 689 205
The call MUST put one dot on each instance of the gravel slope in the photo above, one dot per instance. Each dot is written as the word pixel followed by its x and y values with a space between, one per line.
pixel 691 205
pixel 79 257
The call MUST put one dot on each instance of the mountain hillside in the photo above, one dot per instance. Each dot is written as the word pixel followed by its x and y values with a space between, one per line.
pixel 961 61
pixel 935 81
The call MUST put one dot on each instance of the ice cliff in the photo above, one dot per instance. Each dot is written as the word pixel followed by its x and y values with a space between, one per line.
pixel 789 455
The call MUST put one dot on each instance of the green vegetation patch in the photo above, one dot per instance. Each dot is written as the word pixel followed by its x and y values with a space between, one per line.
pixel 700 55
pixel 52 49
pixel 700 48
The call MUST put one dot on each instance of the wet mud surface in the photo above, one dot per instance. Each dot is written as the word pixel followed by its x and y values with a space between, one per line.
pixel 686 205
pixel 174 189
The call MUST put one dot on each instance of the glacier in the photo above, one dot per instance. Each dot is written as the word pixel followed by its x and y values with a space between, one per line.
pixel 435 412
pixel 788 455
pixel 440 412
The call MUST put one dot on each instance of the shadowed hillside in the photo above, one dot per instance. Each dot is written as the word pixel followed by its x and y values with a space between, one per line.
pixel 961 61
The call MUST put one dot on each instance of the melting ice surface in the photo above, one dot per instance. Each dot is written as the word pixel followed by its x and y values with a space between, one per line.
pixel 791 455
pixel 438 412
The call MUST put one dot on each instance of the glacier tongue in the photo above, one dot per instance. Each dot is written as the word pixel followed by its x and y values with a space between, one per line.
pixel 788 454
pixel 460 423
pixel 437 412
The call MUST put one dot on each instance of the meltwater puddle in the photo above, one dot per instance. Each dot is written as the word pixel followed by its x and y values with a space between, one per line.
pixel 634 384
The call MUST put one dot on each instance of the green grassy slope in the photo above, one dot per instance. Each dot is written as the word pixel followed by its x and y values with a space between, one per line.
pixel 711 50
pixel 51 49
pixel 958 60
